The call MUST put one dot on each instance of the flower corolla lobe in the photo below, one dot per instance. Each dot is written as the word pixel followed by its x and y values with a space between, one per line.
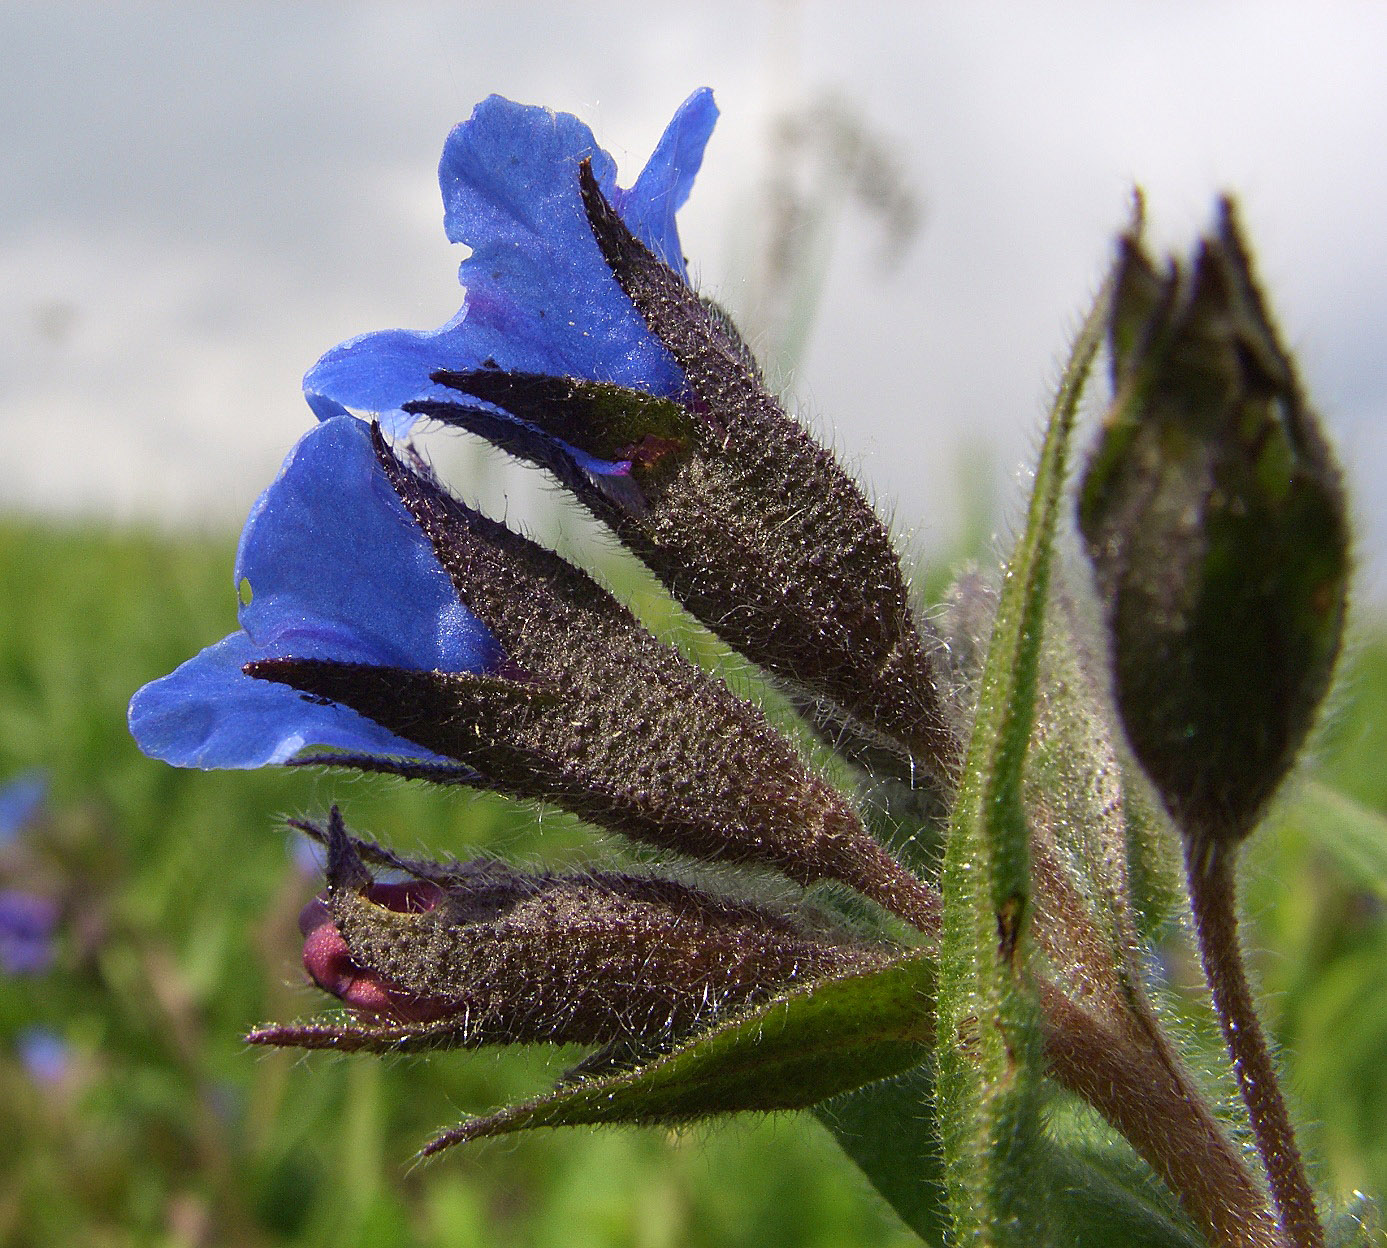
pixel 336 569
pixel 539 297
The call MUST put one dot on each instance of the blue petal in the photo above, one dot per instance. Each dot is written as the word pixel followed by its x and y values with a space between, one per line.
pixel 27 924
pixel 335 568
pixel 21 801
pixel 338 569
pixel 207 713
pixel 663 187
pixel 44 1054
pixel 539 297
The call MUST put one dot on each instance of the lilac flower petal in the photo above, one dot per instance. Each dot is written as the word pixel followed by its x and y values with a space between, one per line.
pixel 21 800
pixel 27 926
pixel 335 568
pixel 539 297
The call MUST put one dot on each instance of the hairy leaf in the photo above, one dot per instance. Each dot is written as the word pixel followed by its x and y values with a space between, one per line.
pixel 798 1050
pixel 1102 1193
pixel 1102 1198
pixel 1075 795
pixel 1356 1225
pixel 890 1129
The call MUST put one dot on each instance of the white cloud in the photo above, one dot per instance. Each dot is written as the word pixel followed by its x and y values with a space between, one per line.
pixel 199 201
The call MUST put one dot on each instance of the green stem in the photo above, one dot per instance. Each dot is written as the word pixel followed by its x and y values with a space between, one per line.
pixel 1209 864
pixel 1126 1070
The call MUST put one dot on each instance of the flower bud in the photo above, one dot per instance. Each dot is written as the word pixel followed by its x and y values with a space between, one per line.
pixel 1213 513
pixel 479 953
pixel 589 710
pixel 748 521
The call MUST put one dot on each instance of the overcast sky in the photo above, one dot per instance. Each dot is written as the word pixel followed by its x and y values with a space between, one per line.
pixel 197 200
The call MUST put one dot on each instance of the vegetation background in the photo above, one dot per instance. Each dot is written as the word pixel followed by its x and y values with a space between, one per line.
pixel 152 1124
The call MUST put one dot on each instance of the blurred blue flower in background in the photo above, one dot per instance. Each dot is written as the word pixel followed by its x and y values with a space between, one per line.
pixel 21 801
pixel 44 1054
pixel 330 566
pixel 28 923
pixel 28 920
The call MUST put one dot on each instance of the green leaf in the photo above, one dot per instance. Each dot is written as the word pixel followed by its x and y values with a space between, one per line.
pixel 1102 1193
pixel 1357 1224
pixel 1156 882
pixel 1351 834
pixel 990 1062
pixel 1074 796
pixel 890 1130
pixel 801 1048
pixel 1098 836
pixel 1103 1198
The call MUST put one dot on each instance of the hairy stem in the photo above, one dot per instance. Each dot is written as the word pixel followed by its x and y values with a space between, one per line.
pixel 1210 868
pixel 1126 1069
pixel 1146 1095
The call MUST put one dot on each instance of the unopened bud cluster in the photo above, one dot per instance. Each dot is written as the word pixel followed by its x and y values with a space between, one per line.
pixel 388 627
pixel 1215 519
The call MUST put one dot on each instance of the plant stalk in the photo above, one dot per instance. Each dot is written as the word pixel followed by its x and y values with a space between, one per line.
pixel 1209 864
pixel 1152 1102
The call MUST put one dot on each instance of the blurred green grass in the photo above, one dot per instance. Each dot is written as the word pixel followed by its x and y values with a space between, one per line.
pixel 180 898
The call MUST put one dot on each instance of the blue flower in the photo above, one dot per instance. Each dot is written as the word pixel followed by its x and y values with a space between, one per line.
pixel 27 920
pixel 330 566
pixel 27 924
pixel 21 801
pixel 44 1054
pixel 539 296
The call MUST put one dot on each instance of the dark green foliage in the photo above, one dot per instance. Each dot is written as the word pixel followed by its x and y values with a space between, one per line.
pixel 878 1127
pixel 802 1048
